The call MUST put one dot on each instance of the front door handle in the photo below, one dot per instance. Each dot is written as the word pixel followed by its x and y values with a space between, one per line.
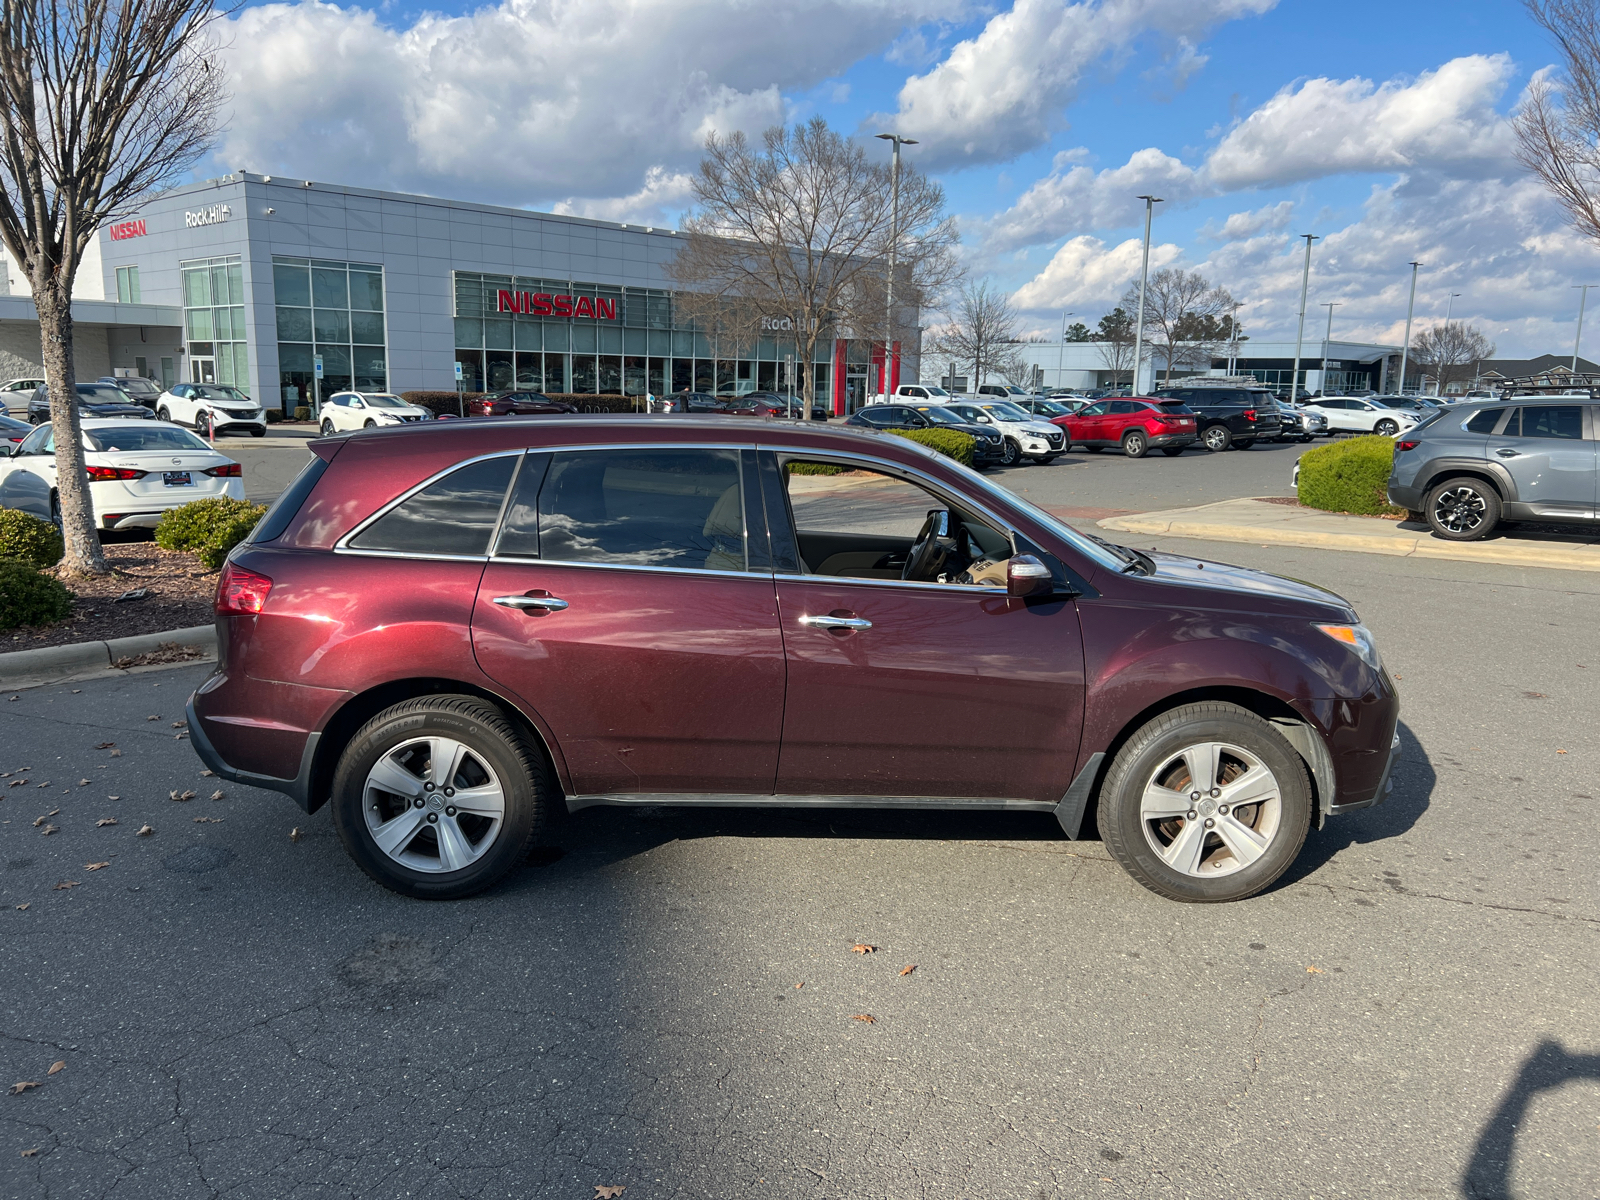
pixel 827 622
pixel 543 603
pixel 1508 453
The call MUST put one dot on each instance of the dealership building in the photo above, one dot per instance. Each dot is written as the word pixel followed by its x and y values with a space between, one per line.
pixel 251 280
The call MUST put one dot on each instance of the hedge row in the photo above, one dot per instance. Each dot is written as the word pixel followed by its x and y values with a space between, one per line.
pixel 208 528
pixel 29 546
pixel 1349 476
pixel 949 442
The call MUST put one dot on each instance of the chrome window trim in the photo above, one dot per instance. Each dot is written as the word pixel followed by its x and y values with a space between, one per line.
pixel 506 560
pixel 344 542
pixel 921 585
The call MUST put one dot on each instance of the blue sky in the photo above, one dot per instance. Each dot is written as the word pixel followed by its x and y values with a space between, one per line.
pixel 1380 126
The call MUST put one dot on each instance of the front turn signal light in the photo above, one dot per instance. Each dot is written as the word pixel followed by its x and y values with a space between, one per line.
pixel 1358 639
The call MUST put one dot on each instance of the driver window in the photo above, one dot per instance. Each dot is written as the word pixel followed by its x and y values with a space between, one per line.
pixel 865 524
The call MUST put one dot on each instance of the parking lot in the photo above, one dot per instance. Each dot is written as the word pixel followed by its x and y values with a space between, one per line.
pixel 669 1000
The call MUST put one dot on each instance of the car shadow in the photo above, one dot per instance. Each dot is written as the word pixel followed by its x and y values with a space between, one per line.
pixel 1521 531
pixel 1414 781
pixel 1550 1066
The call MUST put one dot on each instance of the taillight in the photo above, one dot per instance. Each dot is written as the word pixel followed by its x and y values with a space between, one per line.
pixel 225 471
pixel 1408 444
pixel 241 591
pixel 1249 414
pixel 103 474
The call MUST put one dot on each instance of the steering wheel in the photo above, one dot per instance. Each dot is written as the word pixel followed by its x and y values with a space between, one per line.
pixel 924 551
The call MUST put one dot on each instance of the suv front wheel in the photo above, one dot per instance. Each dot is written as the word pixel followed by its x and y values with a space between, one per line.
pixel 440 797
pixel 1463 509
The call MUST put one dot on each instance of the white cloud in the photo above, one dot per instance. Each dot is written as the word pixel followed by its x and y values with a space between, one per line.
pixel 1079 198
pixel 1086 277
pixel 1002 92
pixel 1443 119
pixel 664 195
pixel 1241 225
pixel 530 100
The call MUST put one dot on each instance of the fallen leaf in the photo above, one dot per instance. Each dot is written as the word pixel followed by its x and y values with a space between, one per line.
pixel 46 783
pixel 95 866
pixel 104 821
pixel 18 1088
pixel 49 829
pixel 116 754
pixel 1560 751
pixel 22 908
pixel 863 948
pixel 799 985
pixel 65 885
pixel 217 795
pixel 611 1192
pixel 38 821
pixel 865 1018
pixel 208 820
pixel 294 834
pixel 1315 971
pixel 180 724
pixel 83 783
pixel 16 783
pixel 35 1150
pixel 58 1065
pixel 156 718
pixel 104 745
pixel 144 831
pixel 908 968
pixel 208 773
pixel 113 797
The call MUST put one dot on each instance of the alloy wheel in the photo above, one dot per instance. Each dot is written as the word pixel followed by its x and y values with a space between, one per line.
pixel 1212 809
pixel 1216 438
pixel 1386 428
pixel 1011 454
pixel 433 804
pixel 1459 509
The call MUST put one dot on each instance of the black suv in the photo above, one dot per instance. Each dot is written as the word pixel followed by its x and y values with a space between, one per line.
pixel 1237 417
pixel 988 445
pixel 94 400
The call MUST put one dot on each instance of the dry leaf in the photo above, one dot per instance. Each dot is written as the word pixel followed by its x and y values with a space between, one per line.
pixel 116 754
pixel 179 724
pixel 35 1150
pixel 58 1065
pixel 1315 971
pixel 865 1018
pixel 113 797
pixel 22 908
pixel 1560 751
pixel 49 829
pixel 38 821
pixel 208 774
pixel 908 968
pixel 603 1192
pixel 799 985
pixel 863 948
pixel 217 795
pixel 144 831
pixel 157 718
pixel 95 866
pixel 46 783
pixel 16 783
pixel 83 783
pixel 181 795
pixel 104 745
pixel 18 1088
pixel 104 821
pixel 65 885
pixel 294 834
pixel 208 820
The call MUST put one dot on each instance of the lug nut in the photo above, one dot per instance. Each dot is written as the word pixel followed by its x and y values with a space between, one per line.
pixel 421 803
pixel 1209 822
pixel 1223 811
pixel 1215 792
pixel 449 791
pixel 427 787
pixel 450 810
pixel 1194 796
pixel 433 819
pixel 1190 814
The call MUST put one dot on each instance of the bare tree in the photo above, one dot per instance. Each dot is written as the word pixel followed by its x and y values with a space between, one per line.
pixel 1177 307
pixel 1114 338
pixel 1449 350
pixel 1558 124
pixel 800 230
pixel 980 331
pixel 101 101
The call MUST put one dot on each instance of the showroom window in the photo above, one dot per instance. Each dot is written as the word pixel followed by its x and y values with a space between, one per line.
pixel 213 320
pixel 128 285
pixel 334 309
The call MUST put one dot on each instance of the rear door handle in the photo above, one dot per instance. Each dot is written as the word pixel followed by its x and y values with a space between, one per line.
pixel 827 622
pixel 1508 453
pixel 544 603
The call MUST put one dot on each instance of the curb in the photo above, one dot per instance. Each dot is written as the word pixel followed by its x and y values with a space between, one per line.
pixel 90 660
pixel 1560 558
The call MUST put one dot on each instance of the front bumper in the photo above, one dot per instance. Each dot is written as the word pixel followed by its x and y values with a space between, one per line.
pixel 1385 783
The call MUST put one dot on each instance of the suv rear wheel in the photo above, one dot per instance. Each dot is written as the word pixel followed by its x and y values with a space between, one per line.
pixel 440 797
pixel 1134 443
pixel 1206 803
pixel 1216 438
pixel 1463 509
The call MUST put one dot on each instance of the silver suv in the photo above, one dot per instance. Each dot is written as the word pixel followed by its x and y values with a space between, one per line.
pixel 1521 458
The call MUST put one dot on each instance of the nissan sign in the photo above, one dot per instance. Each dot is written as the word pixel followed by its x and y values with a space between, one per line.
pixel 543 304
pixel 127 229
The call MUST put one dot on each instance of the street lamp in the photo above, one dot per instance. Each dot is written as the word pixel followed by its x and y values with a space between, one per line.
pixel 1144 273
pixel 1327 337
pixel 1305 283
pixel 1450 307
pixel 1583 297
pixel 894 244
pixel 1405 351
pixel 1061 358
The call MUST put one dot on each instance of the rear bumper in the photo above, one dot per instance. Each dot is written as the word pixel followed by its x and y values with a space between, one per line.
pixel 1405 497
pixel 297 789
pixel 1167 440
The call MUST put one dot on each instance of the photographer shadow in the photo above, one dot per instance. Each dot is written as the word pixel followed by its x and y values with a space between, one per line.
pixel 1550 1066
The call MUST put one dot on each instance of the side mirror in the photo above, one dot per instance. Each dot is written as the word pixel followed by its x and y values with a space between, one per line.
pixel 1026 576
pixel 986 420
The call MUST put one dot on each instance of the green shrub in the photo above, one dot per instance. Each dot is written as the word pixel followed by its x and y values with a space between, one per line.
pixel 440 404
pixel 949 442
pixel 302 413
pixel 1349 476
pixel 208 529
pixel 272 416
pixel 811 468
pixel 29 598
pixel 30 540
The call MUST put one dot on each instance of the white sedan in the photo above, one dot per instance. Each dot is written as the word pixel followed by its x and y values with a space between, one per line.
pixel 137 470
pixel 1362 416
pixel 211 407
pixel 346 411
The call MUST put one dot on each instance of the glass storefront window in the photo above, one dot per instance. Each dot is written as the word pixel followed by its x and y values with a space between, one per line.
pixel 337 308
pixel 583 375
pixel 213 321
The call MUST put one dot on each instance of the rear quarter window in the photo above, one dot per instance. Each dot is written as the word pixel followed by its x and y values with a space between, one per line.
pixel 1483 421
pixel 454 515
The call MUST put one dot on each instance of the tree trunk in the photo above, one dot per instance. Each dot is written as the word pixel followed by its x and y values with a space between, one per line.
pixel 84 553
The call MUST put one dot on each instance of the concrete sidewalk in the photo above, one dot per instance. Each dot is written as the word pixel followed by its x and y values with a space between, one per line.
pixel 1265 524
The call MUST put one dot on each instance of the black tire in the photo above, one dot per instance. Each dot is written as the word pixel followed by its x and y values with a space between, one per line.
pixel 1216 438
pixel 163 413
pixel 1463 509
pixel 258 431
pixel 1012 454
pixel 202 424
pixel 1244 444
pixel 1304 438
pixel 1135 444
pixel 528 787
pixel 369 423
pixel 55 508
pixel 1386 428
pixel 1158 746
pixel 327 427
pixel 1094 449
pixel 1172 451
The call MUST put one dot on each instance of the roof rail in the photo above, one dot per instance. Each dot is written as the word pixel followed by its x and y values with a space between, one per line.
pixel 1564 383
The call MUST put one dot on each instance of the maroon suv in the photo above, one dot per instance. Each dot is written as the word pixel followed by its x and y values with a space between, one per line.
pixel 448 631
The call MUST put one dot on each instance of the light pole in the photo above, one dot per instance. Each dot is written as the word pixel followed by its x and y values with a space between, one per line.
pixel 894 244
pixel 1451 306
pixel 1061 358
pixel 1327 337
pixel 1144 273
pixel 1583 296
pixel 1405 351
pixel 1305 284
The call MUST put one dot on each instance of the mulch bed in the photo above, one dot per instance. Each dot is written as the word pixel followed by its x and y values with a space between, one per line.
pixel 180 593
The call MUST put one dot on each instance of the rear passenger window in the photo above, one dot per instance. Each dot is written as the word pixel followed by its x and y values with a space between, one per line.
pixel 641 508
pixel 454 515
pixel 1483 421
pixel 1553 421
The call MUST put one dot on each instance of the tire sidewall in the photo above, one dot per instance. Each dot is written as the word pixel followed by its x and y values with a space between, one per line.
pixel 1134 444
pixel 1386 428
pixel 1491 509
pixel 524 802
pixel 1219 435
pixel 1159 741
pixel 1012 455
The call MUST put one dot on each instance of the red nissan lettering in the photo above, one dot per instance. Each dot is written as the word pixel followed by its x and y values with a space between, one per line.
pixel 563 306
pixel 541 304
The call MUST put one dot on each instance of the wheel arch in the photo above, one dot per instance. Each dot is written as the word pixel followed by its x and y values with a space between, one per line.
pixel 1437 472
pixel 360 708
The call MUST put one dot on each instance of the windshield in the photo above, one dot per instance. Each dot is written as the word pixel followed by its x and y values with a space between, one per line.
pixel 212 392
pixel 139 387
pixel 1051 408
pixel 101 393
pixel 1098 552
pixel 384 400
pixel 1009 412
pixel 935 391
pixel 141 435
pixel 940 416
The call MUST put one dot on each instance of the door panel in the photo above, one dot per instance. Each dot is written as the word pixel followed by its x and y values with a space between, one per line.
pixel 1554 475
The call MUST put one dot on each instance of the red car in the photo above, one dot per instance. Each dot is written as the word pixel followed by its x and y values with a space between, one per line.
pixel 448 632
pixel 1134 425
pixel 517 404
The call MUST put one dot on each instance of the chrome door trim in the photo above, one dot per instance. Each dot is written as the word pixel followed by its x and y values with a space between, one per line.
pixel 971 588
pixel 547 603
pixel 827 622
